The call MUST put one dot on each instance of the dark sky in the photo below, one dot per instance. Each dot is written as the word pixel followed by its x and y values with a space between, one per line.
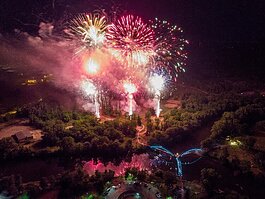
pixel 203 20
pixel 217 20
pixel 224 34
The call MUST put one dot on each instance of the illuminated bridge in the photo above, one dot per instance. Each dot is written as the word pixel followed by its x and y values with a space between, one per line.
pixel 179 162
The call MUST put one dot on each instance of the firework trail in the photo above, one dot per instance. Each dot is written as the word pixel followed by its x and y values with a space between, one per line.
pixel 130 89
pixel 170 48
pixel 97 113
pixel 131 41
pixel 90 90
pixel 157 83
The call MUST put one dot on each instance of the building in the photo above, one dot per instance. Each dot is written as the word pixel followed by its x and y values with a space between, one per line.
pixel 23 136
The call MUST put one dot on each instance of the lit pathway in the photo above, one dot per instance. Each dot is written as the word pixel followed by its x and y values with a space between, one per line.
pixel 133 189
pixel 141 132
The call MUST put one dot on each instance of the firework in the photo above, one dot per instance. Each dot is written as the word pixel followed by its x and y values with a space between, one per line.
pixel 157 83
pixel 95 65
pixel 90 89
pixel 91 66
pixel 90 28
pixel 170 48
pixel 128 48
pixel 131 40
pixel 130 89
pixel 96 105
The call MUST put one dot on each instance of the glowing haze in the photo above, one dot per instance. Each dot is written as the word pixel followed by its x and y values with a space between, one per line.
pixel 141 162
pixel 92 66
pixel 96 50
pixel 157 84
pixel 130 88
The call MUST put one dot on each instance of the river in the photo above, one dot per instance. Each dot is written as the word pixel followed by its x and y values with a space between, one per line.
pixel 35 169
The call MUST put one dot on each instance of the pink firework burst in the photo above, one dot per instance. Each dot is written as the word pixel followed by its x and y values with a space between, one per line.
pixel 131 40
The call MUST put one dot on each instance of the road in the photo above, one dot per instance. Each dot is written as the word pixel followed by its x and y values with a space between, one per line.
pixel 140 135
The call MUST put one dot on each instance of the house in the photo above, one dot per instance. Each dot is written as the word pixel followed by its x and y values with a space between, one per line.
pixel 22 136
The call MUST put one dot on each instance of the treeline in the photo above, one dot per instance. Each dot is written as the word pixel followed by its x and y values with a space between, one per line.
pixel 239 126
pixel 238 123
pixel 77 183
pixel 73 133
pixel 9 149
pixel 71 184
pixel 196 111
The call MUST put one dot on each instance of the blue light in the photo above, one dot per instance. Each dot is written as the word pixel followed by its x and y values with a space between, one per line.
pixel 197 151
pixel 179 163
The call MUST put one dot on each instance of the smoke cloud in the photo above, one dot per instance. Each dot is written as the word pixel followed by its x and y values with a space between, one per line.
pixel 53 53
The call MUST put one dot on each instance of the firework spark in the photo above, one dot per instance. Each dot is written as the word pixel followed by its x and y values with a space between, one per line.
pixel 131 40
pixel 170 48
pixel 90 89
pixel 91 29
pixel 92 66
pixel 128 48
pixel 97 113
pixel 130 89
pixel 157 83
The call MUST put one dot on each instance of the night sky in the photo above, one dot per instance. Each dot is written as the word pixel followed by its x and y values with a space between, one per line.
pixel 233 23
pixel 214 20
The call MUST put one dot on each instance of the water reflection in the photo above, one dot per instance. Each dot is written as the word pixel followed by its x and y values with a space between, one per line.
pixel 141 162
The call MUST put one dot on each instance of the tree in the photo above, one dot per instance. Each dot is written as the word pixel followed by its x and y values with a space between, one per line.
pixel 44 183
pixel 113 134
pixel 68 144
pixel 50 139
pixel 260 159
pixel 207 143
pixel 66 116
pixel 169 177
pixel 128 128
pixel 139 121
pixel 148 115
pixel 157 123
pixel 245 166
pixel 149 126
pixel 8 147
pixel 210 179
pixel 249 142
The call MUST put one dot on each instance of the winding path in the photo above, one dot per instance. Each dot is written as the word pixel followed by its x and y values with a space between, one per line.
pixel 141 132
